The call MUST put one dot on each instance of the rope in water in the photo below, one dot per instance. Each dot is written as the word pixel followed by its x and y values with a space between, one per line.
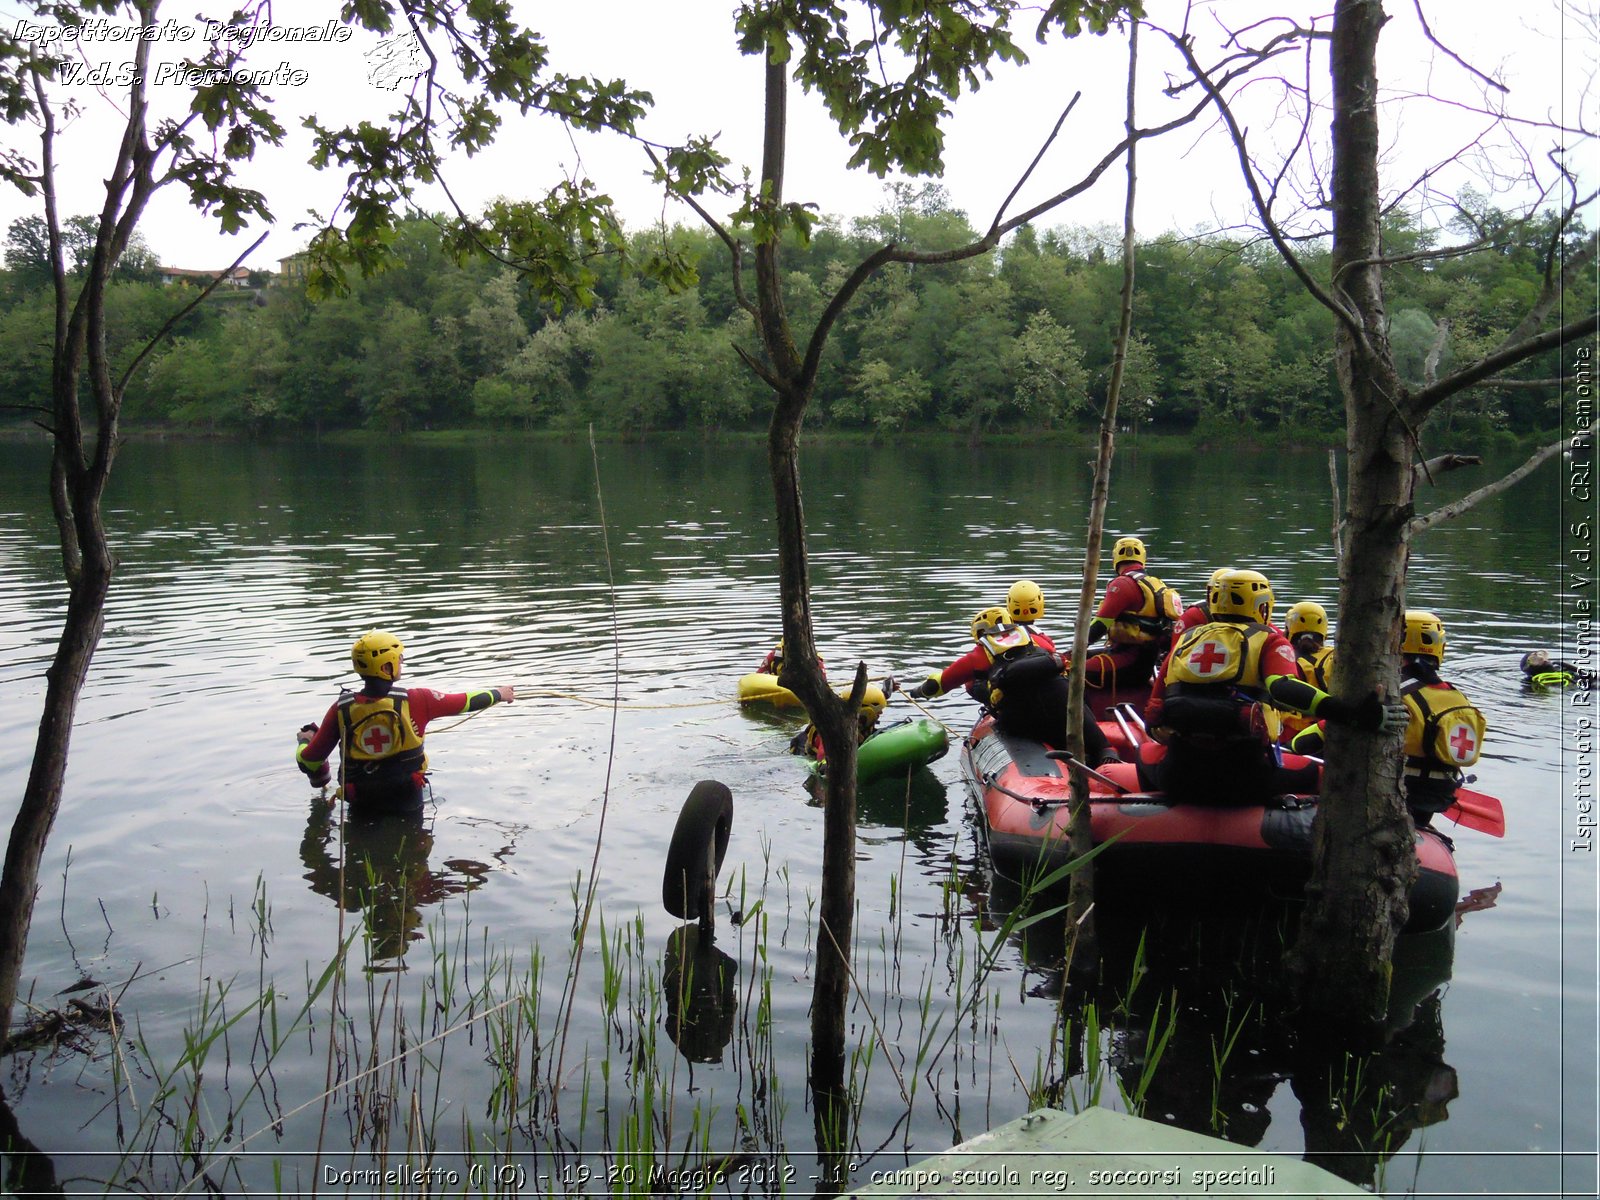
pixel 593 703
pixel 548 694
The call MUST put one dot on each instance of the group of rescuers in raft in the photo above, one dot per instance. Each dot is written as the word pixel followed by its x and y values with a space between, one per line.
pixel 1228 692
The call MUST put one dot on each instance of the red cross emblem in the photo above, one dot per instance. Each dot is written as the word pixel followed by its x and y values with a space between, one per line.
pixel 1208 658
pixel 1462 743
pixel 376 740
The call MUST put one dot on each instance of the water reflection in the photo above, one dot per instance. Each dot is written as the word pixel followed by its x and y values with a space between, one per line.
pixel 917 802
pixel 387 877
pixel 1197 1029
pixel 1357 1111
pixel 236 577
pixel 25 1170
pixel 701 1004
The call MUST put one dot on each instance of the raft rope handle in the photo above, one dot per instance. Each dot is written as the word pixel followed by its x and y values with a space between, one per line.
pixel 1036 802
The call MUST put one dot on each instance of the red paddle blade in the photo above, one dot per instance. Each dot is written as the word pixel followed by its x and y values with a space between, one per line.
pixel 1474 810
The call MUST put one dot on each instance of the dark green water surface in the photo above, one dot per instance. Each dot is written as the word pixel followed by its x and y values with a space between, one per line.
pixel 246 571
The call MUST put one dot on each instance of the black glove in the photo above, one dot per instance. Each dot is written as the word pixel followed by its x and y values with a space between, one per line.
pixel 1371 715
pixel 891 685
pixel 927 689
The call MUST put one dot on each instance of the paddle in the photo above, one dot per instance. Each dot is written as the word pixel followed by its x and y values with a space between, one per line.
pixel 1474 810
pixel 1122 724
pixel 1070 757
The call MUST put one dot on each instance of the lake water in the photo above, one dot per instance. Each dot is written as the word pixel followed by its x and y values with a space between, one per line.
pixel 189 860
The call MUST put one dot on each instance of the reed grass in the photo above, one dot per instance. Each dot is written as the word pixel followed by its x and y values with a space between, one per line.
pixel 441 1056
pixel 443 1077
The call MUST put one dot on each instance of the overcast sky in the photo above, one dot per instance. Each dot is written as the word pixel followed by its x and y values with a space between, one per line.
pixel 684 53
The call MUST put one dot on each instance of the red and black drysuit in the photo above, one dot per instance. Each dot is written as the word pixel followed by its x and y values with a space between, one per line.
pixel 1025 689
pixel 379 732
pixel 1212 705
pixel 1134 615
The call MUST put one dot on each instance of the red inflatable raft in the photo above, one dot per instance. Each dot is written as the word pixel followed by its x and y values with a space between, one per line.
pixel 1023 795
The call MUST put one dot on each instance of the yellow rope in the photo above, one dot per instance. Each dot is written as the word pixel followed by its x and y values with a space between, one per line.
pixel 912 701
pixel 573 696
pixel 609 704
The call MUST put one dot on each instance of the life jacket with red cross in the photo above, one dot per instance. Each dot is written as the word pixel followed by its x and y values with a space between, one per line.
pixel 380 745
pixel 1213 686
pixel 1445 733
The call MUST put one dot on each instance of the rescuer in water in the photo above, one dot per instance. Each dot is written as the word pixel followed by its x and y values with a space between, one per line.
pixel 379 729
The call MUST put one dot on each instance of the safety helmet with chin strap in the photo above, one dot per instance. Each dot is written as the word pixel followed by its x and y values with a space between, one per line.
pixel 1306 617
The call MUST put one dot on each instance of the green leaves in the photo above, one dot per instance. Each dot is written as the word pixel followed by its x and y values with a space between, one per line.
pixel 1072 17
pixel 694 168
pixel 553 241
pixel 768 222
pixel 890 85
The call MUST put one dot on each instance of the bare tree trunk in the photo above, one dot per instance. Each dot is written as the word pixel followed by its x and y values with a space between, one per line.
pixel 1083 949
pixel 79 471
pixel 41 800
pixel 835 718
pixel 1363 858
pixel 790 372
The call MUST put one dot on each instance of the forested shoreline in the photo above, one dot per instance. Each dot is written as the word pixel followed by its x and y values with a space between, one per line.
pixel 1226 341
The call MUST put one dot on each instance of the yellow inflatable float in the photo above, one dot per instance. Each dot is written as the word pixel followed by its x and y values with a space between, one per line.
pixel 761 688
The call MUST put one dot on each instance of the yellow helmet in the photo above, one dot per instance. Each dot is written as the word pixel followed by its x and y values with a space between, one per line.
pixel 377 655
pixel 1241 594
pixel 1127 550
pixel 988 619
pixel 1306 617
pixel 1216 576
pixel 1424 635
pixel 1024 602
pixel 873 702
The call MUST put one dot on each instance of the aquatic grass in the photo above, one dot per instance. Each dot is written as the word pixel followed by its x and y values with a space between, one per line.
pixel 441 1052
pixel 1157 1036
pixel 1221 1051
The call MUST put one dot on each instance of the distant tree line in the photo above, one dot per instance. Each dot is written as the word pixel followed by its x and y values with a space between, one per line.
pixel 1226 338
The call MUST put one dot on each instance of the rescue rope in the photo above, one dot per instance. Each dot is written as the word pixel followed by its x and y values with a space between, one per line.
pixel 593 703
pixel 546 694
pixel 948 729
pixel 569 993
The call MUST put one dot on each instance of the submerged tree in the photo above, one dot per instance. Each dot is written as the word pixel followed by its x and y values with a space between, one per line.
pixel 1363 859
